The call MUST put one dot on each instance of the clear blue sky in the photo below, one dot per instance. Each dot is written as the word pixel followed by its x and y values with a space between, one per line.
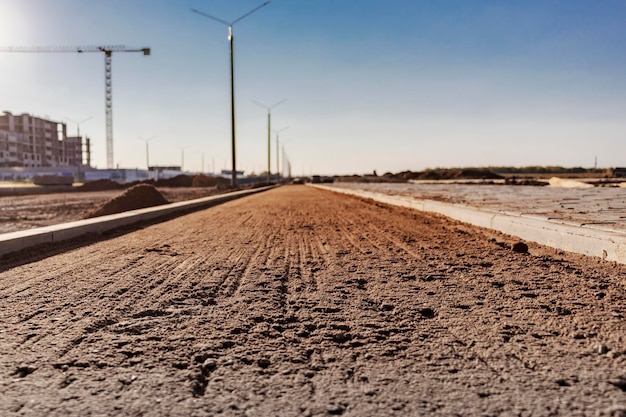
pixel 388 85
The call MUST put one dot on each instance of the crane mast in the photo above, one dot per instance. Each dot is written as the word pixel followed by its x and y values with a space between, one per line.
pixel 108 86
pixel 108 106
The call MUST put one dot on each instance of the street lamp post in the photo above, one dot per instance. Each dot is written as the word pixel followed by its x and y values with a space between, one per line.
pixel 278 149
pixel 232 77
pixel 147 150
pixel 81 140
pixel 269 129
pixel 182 158
pixel 78 124
pixel 285 158
pixel 286 163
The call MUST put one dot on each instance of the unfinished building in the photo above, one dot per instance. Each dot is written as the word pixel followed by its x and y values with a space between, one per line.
pixel 29 141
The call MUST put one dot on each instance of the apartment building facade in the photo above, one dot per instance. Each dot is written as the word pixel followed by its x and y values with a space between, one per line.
pixel 29 141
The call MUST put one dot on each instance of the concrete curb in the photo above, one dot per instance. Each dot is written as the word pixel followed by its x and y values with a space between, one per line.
pixel 15 241
pixel 608 245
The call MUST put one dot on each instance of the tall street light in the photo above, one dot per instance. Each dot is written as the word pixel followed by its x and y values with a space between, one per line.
pixel 182 158
pixel 285 159
pixel 269 129
pixel 78 124
pixel 81 140
pixel 232 76
pixel 277 149
pixel 286 162
pixel 147 150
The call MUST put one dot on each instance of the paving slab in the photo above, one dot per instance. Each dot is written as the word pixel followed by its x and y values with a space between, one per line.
pixel 589 221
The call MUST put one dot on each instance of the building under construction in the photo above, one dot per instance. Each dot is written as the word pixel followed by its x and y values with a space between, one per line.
pixel 28 141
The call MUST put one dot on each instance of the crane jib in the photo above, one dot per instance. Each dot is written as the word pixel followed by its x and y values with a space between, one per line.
pixel 108 94
pixel 79 49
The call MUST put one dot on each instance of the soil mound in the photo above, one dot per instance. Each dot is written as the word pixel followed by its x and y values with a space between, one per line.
pixel 457 174
pixel 136 197
pixel 177 181
pixel 445 174
pixel 429 175
pixel 100 185
pixel 202 180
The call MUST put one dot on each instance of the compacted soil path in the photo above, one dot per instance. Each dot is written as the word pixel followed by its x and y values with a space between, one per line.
pixel 302 302
pixel 23 212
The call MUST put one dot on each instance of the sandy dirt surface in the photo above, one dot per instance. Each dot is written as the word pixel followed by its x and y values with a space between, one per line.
pixel 302 302
pixel 38 210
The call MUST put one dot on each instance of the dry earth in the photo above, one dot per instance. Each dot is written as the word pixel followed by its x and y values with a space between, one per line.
pixel 38 210
pixel 301 302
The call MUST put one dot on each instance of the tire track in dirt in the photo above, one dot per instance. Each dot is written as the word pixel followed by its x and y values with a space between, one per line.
pixel 301 302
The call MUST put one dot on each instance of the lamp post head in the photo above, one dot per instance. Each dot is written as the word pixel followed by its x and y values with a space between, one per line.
pixel 232 83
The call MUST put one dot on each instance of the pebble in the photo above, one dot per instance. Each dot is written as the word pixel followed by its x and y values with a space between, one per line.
pixel 386 307
pixel 209 365
pixel 432 277
pixel 335 409
pixel 519 247
pixel 264 362
pixel 397 406
pixel 429 313
pixel 24 370
pixel 563 311
pixel 602 349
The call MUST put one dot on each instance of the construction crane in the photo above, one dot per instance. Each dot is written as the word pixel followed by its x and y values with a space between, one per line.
pixel 108 92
